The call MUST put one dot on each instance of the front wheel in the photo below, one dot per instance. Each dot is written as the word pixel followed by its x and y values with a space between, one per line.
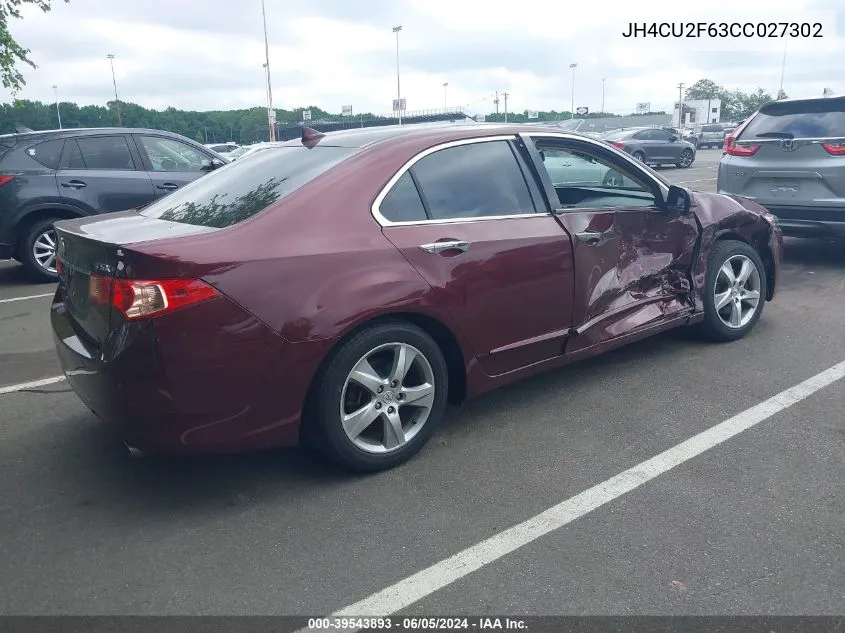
pixel 735 291
pixel 639 156
pixel 686 158
pixel 381 397
pixel 37 251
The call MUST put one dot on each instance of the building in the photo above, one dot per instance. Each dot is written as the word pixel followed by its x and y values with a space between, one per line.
pixel 697 112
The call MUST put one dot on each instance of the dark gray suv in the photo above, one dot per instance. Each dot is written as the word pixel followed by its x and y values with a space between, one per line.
pixel 58 174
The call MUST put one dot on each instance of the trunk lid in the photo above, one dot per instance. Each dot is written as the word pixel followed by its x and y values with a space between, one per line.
pixel 93 251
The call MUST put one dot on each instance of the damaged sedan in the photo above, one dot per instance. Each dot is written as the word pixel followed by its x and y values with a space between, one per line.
pixel 340 289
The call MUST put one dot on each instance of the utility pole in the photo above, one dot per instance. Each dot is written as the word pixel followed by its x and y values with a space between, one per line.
pixel 271 115
pixel 572 113
pixel 58 112
pixel 506 95
pixel 114 81
pixel 396 30
pixel 496 102
pixel 602 95
pixel 681 106
pixel 782 67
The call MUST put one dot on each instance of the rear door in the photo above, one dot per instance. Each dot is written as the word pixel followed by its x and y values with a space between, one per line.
pixel 102 174
pixel 470 217
pixel 632 258
pixel 172 163
pixel 791 154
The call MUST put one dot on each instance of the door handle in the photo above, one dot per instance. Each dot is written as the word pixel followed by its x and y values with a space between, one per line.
pixel 589 237
pixel 435 248
pixel 168 186
pixel 74 184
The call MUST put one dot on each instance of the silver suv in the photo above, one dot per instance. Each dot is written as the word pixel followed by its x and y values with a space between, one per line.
pixel 789 156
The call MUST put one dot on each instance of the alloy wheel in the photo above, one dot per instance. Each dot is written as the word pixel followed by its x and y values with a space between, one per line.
pixel 737 291
pixel 613 180
pixel 686 158
pixel 44 250
pixel 387 398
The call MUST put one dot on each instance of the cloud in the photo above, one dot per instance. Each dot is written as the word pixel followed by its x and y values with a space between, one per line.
pixel 330 53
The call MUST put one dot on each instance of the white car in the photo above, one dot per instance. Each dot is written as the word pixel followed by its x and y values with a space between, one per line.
pixel 224 149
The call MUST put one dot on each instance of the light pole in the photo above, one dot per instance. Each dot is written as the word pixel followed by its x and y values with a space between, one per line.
pixel 602 95
pixel 116 98
pixel 271 117
pixel 782 68
pixel 58 112
pixel 396 30
pixel 445 100
pixel 681 106
pixel 572 111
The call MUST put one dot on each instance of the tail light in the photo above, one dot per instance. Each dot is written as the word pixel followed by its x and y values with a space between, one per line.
pixel 835 149
pixel 618 144
pixel 137 299
pixel 6 179
pixel 733 149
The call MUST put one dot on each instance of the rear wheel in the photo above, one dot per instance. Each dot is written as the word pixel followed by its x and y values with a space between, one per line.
pixel 735 291
pixel 639 156
pixel 37 251
pixel 381 397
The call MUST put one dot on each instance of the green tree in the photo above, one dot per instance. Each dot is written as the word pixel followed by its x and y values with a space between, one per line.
pixel 781 95
pixel 11 52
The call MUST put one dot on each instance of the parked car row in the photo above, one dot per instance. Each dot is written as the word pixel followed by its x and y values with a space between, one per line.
pixel 652 145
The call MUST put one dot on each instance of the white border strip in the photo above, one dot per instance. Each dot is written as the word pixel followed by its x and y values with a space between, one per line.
pixel 48 294
pixel 424 583
pixel 23 386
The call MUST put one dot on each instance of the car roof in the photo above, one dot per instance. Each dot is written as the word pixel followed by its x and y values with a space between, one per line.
pixel 83 131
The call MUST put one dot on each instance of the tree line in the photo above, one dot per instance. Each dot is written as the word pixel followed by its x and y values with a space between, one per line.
pixel 735 104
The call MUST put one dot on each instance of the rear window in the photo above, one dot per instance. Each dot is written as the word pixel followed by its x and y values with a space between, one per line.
pixel 238 191
pixel 801 119
pixel 47 153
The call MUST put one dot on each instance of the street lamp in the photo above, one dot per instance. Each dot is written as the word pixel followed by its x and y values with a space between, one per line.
pixel 782 68
pixel 445 100
pixel 602 95
pixel 572 111
pixel 58 112
pixel 396 30
pixel 116 98
pixel 681 106
pixel 271 115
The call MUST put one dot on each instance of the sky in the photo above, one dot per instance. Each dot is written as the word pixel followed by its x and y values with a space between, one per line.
pixel 209 54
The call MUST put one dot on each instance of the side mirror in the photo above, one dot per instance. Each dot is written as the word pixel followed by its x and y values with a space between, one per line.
pixel 679 200
pixel 673 139
pixel 211 164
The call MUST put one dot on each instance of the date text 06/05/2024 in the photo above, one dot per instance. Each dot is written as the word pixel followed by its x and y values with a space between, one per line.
pixel 723 29
pixel 334 623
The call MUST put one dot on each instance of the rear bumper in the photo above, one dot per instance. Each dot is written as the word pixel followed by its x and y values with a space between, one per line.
pixel 804 221
pixel 206 379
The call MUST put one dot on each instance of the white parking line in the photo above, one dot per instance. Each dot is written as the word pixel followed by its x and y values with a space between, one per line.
pixel 686 182
pixel 416 587
pixel 47 294
pixel 23 386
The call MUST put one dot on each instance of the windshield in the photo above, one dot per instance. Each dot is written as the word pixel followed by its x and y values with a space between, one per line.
pixel 242 189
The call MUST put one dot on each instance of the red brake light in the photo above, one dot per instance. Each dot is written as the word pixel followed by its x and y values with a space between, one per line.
pixel 735 150
pixel 137 299
pixel 836 149
pixel 618 144
pixel 6 179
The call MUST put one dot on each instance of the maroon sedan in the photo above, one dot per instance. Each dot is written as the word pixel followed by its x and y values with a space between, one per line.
pixel 342 288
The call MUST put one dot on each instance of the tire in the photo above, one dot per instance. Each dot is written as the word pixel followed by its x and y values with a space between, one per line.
pixel 40 233
pixel 714 326
pixel 375 448
pixel 687 159
pixel 612 179
pixel 639 156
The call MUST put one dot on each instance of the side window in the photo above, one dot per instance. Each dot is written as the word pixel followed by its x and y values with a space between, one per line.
pixel 75 160
pixel 473 181
pixel 402 203
pixel 660 135
pixel 585 179
pixel 48 152
pixel 167 154
pixel 105 152
pixel 643 136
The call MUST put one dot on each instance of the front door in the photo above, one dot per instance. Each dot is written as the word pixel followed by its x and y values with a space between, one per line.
pixel 171 163
pixel 472 221
pixel 632 258
pixel 102 174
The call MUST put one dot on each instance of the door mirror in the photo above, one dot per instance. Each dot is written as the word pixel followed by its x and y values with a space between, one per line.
pixel 673 138
pixel 211 164
pixel 679 200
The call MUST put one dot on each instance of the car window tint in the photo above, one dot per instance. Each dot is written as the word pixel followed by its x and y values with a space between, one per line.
pixel 47 153
pixel 75 160
pixel 167 154
pixel 808 119
pixel 403 203
pixel 641 136
pixel 584 178
pixel 660 135
pixel 105 152
pixel 242 189
pixel 472 181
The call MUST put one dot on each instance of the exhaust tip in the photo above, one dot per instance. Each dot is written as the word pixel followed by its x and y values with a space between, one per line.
pixel 134 452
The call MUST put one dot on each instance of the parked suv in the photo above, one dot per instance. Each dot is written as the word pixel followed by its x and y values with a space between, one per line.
pixel 789 156
pixel 59 174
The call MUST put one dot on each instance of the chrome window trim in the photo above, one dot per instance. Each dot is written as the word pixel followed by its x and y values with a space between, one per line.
pixel 384 222
pixel 630 160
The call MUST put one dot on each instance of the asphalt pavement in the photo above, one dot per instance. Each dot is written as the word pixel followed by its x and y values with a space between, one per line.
pixel 749 524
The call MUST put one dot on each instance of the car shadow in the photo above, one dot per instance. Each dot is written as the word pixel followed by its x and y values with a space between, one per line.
pixel 814 252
